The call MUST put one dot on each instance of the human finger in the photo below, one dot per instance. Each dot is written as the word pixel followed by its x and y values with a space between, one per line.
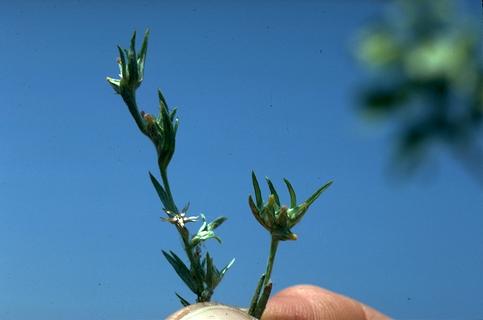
pixel 307 302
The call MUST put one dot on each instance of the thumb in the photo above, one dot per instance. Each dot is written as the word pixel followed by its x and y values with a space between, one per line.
pixel 306 302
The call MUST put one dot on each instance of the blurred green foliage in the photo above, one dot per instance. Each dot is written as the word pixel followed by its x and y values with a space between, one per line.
pixel 427 76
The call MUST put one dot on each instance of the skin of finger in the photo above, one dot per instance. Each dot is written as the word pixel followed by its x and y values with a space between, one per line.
pixel 307 302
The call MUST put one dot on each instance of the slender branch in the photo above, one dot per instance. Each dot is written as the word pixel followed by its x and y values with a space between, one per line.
pixel 162 133
pixel 194 262
pixel 271 258
pixel 130 100
pixel 164 177
pixel 264 287
pixel 191 251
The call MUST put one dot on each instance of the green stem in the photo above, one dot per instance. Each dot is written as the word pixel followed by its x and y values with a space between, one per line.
pixel 193 258
pixel 194 262
pixel 130 100
pixel 271 258
pixel 164 176
pixel 264 286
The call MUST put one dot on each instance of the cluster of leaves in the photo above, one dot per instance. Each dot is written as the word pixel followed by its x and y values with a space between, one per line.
pixel 428 76
pixel 276 218
pixel 201 276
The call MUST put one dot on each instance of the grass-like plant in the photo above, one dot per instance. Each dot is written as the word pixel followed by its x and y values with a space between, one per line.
pixel 200 273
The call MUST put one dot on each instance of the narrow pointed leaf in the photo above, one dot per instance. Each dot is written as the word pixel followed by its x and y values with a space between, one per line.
pixel 162 101
pixel 131 61
pixel 203 225
pixel 296 214
pixel 227 267
pixel 160 190
pixel 256 296
pixel 216 223
pixel 123 62
pixel 144 46
pixel 221 274
pixel 175 128
pixel 273 191
pixel 203 236
pixel 172 114
pixel 183 301
pixel 253 206
pixel 210 278
pixel 317 193
pixel 133 42
pixel 291 191
pixel 186 207
pixel 115 84
pixel 282 218
pixel 262 302
pixel 193 274
pixel 256 187
pixel 256 213
pixel 181 269
pixel 142 54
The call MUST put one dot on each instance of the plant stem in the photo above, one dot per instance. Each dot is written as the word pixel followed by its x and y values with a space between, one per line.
pixel 271 258
pixel 264 286
pixel 130 100
pixel 194 260
pixel 191 253
pixel 164 176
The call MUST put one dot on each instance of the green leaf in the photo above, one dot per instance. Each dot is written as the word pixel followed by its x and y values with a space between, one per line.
pixel 203 236
pixel 182 270
pixel 115 84
pixel 216 223
pixel 228 266
pixel 221 274
pixel 142 54
pixel 133 42
pixel 256 213
pixel 211 274
pixel 183 301
pixel 162 101
pixel 299 211
pixel 186 207
pixel 172 114
pixel 317 193
pixel 175 128
pixel 160 190
pixel 282 218
pixel 132 63
pixel 258 194
pixel 123 62
pixel 256 296
pixel 291 191
pixel 144 46
pixel 262 302
pixel 273 191
pixel 203 225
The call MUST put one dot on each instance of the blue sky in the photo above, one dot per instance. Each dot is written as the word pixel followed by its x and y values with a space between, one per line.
pixel 265 86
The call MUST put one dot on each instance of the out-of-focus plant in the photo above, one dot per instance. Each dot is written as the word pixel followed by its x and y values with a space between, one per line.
pixel 428 76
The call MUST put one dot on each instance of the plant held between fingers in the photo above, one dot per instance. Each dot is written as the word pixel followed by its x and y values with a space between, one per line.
pixel 200 273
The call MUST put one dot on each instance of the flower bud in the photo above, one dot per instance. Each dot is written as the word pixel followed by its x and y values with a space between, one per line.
pixel 276 218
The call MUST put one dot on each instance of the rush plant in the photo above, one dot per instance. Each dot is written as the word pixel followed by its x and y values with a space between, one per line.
pixel 198 271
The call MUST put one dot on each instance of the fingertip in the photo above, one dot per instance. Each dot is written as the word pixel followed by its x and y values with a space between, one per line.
pixel 308 302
